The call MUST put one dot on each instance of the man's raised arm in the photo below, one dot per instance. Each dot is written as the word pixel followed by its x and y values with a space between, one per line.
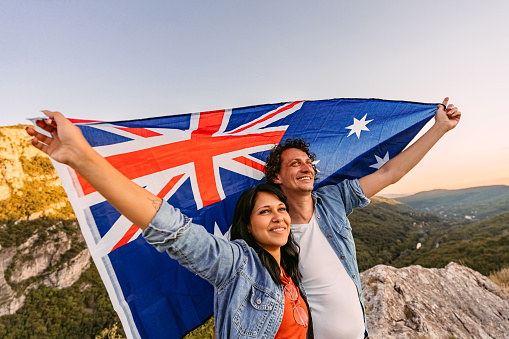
pixel 446 118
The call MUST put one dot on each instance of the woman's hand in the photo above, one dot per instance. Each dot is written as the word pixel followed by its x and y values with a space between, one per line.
pixel 67 145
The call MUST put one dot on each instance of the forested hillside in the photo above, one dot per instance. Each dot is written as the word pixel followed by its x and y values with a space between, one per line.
pixel 482 246
pixel 385 231
pixel 400 236
pixel 474 203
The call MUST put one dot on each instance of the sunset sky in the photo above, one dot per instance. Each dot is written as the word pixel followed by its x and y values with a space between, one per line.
pixel 110 60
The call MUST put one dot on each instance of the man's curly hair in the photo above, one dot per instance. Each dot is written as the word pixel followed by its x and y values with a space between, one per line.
pixel 273 161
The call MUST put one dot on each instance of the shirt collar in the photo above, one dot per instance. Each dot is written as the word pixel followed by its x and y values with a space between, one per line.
pixel 316 198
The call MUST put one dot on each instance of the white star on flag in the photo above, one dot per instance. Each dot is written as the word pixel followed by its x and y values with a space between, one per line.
pixel 316 163
pixel 379 161
pixel 218 233
pixel 358 126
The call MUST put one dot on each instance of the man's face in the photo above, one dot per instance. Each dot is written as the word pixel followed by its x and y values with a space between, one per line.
pixel 297 174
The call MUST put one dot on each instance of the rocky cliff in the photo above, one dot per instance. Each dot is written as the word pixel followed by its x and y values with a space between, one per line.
pixel 417 302
pixel 34 253
pixel 55 261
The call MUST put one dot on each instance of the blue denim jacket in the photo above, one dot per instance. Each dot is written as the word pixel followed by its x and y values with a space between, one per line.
pixel 247 302
pixel 333 204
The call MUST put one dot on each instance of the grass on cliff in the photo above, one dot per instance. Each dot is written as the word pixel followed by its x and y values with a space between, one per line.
pixel 33 197
pixel 15 233
pixel 501 278
pixel 205 331
pixel 37 166
pixel 36 194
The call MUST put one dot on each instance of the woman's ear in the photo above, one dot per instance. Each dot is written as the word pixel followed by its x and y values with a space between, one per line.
pixel 249 228
pixel 277 180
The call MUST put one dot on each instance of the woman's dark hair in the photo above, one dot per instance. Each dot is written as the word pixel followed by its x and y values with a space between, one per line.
pixel 239 230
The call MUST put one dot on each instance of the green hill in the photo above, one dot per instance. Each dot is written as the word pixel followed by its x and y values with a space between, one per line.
pixel 482 245
pixel 385 231
pixel 388 233
pixel 475 203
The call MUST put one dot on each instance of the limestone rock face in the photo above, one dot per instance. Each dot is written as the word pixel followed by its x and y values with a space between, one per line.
pixel 9 303
pixel 42 256
pixel 70 272
pixel 33 259
pixel 417 302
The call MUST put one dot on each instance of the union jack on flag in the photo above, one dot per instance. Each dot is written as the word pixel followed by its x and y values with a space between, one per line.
pixel 200 163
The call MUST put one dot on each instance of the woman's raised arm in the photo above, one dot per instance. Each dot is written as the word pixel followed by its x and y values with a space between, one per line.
pixel 70 147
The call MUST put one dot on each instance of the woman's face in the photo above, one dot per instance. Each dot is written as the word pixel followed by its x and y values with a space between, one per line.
pixel 269 222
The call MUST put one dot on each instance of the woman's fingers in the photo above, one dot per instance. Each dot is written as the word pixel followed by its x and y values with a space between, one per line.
pixel 44 139
pixel 41 137
pixel 54 118
pixel 40 145
pixel 45 126
pixel 39 140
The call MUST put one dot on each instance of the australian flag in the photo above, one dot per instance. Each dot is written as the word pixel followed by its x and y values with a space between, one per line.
pixel 200 163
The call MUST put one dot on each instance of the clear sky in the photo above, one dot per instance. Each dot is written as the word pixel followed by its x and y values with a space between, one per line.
pixel 125 59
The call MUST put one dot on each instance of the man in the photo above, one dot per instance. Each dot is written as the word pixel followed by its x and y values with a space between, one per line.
pixel 320 225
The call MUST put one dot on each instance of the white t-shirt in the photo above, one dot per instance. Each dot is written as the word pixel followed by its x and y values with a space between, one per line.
pixel 331 293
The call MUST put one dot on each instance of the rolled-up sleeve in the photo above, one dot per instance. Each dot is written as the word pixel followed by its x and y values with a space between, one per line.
pixel 344 196
pixel 213 258
pixel 166 226
pixel 356 196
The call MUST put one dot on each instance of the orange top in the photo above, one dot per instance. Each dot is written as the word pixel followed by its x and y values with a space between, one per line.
pixel 289 327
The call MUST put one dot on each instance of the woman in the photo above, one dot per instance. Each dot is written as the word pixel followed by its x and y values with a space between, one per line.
pixel 255 275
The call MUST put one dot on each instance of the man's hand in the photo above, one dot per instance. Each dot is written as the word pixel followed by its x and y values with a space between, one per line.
pixel 447 115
